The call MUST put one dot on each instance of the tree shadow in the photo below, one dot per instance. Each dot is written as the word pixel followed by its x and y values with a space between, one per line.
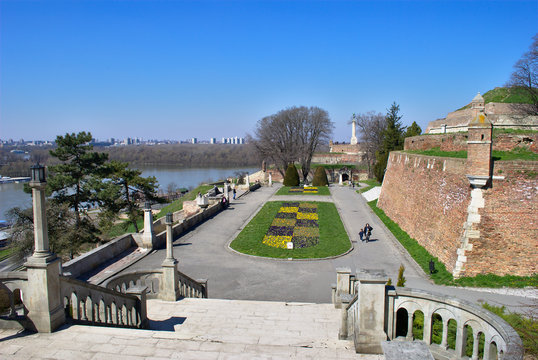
pixel 166 325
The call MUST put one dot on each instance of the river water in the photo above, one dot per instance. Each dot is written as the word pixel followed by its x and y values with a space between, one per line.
pixel 12 194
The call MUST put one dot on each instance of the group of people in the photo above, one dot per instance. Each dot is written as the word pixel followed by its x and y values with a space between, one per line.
pixel 365 233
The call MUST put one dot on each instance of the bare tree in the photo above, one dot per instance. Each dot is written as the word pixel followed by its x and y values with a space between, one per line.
pixel 525 74
pixel 371 126
pixel 292 135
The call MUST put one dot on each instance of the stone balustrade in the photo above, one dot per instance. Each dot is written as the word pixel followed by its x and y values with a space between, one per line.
pixel 153 281
pixel 12 287
pixel 95 305
pixel 396 310
pixel 500 339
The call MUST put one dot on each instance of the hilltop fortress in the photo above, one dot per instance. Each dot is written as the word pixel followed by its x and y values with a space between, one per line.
pixel 477 215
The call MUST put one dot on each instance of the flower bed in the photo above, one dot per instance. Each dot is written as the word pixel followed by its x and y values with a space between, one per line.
pixel 294 222
pixel 303 190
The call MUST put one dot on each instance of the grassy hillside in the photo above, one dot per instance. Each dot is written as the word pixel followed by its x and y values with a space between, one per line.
pixel 505 95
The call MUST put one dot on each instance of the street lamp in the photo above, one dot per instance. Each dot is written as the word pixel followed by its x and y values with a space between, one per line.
pixel 38 173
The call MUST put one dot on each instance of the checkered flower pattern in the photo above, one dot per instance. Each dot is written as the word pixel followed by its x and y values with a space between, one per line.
pixel 303 190
pixel 295 222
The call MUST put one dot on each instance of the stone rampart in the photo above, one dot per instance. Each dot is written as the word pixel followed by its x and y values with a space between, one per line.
pixel 429 198
pixel 336 158
pixel 458 142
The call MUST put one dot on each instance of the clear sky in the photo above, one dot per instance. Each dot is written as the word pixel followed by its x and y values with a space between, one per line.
pixel 180 69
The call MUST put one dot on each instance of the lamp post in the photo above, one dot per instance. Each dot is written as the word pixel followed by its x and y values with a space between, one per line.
pixel 38 183
pixel 169 287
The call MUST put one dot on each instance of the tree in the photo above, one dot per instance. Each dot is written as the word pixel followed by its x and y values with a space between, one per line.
pixel 126 189
pixel 392 140
pixel 413 130
pixel 525 74
pixel 60 221
pixel 371 127
pixel 292 135
pixel 401 278
pixel 320 177
pixel 75 180
pixel 292 176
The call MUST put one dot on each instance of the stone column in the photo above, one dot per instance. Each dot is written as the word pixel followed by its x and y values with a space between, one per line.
pixel 369 330
pixel 409 336
pixel 342 285
pixel 353 131
pixel 43 297
pixel 270 180
pixel 170 281
pixel 476 339
pixel 340 181
pixel 444 339
pixel 148 237
pixel 461 336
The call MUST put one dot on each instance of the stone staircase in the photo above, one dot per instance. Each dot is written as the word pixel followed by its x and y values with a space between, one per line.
pixel 200 329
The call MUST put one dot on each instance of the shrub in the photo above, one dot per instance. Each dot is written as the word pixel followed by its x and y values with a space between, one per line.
pixel 292 176
pixel 320 177
pixel 401 277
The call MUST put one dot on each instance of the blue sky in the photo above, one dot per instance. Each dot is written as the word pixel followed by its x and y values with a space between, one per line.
pixel 180 69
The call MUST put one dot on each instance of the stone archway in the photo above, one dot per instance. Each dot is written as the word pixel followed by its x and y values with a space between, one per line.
pixel 344 174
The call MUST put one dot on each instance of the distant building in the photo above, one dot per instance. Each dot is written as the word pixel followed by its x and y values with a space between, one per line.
pixel 194 140
pixel 213 141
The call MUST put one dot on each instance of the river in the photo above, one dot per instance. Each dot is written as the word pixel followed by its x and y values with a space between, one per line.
pixel 12 195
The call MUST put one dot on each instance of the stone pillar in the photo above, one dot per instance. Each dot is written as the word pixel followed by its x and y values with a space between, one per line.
pixel 43 297
pixel 340 181
pixel 444 339
pixel 148 237
pixel 461 336
pixel 170 281
pixel 353 131
pixel 369 330
pixel 479 147
pixel 140 293
pixel 476 339
pixel 409 336
pixel 342 285
pixel 270 180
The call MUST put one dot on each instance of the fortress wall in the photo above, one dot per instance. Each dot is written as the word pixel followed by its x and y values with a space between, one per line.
pixel 335 158
pixel 345 148
pixel 458 142
pixel 428 197
pixel 508 242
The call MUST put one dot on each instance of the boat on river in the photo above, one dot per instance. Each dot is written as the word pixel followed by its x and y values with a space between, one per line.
pixel 8 179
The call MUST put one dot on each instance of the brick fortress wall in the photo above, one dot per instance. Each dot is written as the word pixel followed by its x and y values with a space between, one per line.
pixel 458 142
pixel 429 196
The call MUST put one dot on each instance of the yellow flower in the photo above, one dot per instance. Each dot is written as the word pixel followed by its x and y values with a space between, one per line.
pixel 288 209
pixel 283 222
pixel 276 241
pixel 307 216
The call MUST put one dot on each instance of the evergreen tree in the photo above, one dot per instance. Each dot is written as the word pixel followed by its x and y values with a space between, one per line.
pixel 320 177
pixel 292 176
pixel 413 130
pixel 392 140
pixel 75 180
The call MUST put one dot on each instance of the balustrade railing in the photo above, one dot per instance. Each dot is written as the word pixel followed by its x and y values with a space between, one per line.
pixel 191 288
pixel 12 287
pixel 95 305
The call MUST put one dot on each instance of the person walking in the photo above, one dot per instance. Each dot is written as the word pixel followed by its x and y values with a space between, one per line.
pixel 234 192
pixel 361 234
pixel 368 231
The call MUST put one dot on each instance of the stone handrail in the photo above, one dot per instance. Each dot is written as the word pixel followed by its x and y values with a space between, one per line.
pixel 15 285
pixel 497 332
pixel 152 279
pixel 91 304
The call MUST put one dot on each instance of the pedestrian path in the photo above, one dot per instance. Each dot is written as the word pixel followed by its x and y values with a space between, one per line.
pixel 198 329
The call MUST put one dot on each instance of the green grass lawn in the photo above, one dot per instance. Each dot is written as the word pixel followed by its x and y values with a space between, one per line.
pixel 126 226
pixel 333 239
pixel 5 253
pixel 515 154
pixel 442 276
pixel 372 183
pixel 285 190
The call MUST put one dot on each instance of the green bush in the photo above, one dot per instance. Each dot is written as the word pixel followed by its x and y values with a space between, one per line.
pixel 292 176
pixel 320 177
pixel 401 277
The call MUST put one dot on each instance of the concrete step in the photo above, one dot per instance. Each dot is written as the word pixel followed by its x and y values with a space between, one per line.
pixel 199 329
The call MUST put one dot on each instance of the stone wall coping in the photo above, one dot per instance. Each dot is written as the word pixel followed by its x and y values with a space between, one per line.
pixel 403 152
pixel 95 288
pixel 510 336
pixel 14 275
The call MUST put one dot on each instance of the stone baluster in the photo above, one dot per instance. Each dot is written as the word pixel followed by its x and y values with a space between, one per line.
pixel 461 336
pixel 409 326
pixel 476 338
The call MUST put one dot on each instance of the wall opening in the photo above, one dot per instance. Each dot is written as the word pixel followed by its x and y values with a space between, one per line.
pixel 418 325
pixel 401 322
pixel 437 329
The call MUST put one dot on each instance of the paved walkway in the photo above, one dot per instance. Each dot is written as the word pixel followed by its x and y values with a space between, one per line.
pixel 198 329
pixel 203 253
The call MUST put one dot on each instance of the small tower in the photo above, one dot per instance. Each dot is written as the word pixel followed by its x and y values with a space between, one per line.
pixel 353 131
pixel 479 138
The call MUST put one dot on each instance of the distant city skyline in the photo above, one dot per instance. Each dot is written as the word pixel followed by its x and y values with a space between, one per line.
pixel 185 69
